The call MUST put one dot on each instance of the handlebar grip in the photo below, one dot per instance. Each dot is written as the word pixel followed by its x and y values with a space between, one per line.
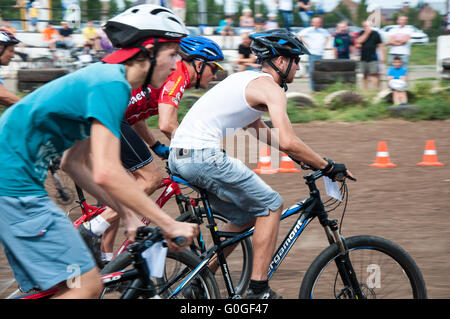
pixel 180 241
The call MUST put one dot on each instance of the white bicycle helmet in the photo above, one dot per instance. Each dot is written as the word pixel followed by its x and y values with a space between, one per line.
pixel 138 26
pixel 143 21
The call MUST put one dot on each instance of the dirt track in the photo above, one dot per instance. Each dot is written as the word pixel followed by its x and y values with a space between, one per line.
pixel 407 204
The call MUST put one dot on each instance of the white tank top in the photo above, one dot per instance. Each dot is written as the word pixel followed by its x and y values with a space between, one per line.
pixel 219 112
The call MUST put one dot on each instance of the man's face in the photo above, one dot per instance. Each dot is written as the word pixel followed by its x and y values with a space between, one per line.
pixel 209 74
pixel 246 40
pixel 402 20
pixel 165 64
pixel 316 22
pixel 342 28
pixel 294 68
pixel 397 63
pixel 7 56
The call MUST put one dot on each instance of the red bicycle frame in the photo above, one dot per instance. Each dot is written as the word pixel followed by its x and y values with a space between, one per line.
pixel 90 211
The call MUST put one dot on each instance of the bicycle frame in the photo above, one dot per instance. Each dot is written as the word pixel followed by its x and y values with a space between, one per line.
pixel 139 275
pixel 309 209
pixel 170 186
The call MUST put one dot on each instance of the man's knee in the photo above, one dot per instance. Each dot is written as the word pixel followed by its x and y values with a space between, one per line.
pixel 149 178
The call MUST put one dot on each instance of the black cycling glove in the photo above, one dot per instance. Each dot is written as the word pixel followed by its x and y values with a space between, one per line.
pixel 334 170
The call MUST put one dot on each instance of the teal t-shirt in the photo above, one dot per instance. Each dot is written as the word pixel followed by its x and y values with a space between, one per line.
pixel 51 119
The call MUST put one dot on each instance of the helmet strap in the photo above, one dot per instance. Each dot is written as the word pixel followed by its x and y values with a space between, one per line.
pixel 283 76
pixel 3 50
pixel 199 74
pixel 152 59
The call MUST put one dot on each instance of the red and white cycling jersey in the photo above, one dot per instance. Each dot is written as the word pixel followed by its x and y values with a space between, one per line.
pixel 170 93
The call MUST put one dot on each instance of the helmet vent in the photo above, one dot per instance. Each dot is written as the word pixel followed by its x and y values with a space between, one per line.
pixel 159 10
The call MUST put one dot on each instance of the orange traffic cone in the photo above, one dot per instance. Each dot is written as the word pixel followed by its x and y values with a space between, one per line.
pixel 382 159
pixel 287 165
pixel 430 155
pixel 264 162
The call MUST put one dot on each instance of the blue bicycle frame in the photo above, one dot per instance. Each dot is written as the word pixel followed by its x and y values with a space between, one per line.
pixel 308 211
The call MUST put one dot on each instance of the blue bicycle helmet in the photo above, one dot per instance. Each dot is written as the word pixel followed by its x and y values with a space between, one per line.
pixel 198 47
pixel 195 47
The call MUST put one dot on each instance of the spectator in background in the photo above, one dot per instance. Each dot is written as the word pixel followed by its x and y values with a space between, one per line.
pixel 105 44
pixel 226 29
pixel 6 26
pixel 286 7
pixel 91 37
pixel 65 36
pixel 259 22
pixel 304 9
pixel 316 39
pixel 246 21
pixel 398 39
pixel 179 8
pixel 369 41
pixel 33 13
pixel 246 60
pixel 50 36
pixel 343 41
pixel 271 22
pixel 397 81
pixel 7 44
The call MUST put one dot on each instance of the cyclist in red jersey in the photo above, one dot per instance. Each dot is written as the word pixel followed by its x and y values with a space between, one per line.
pixel 197 68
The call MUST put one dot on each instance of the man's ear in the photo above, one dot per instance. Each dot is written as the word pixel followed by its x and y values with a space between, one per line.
pixel 198 65
pixel 149 47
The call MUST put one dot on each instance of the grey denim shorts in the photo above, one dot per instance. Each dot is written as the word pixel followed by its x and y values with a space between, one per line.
pixel 233 189
pixel 40 242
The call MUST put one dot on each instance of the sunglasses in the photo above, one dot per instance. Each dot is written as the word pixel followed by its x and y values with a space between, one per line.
pixel 214 68
pixel 297 59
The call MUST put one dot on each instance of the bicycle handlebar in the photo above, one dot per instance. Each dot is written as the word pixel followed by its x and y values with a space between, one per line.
pixel 155 234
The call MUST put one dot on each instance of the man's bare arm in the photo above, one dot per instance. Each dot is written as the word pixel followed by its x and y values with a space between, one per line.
pixel 168 119
pixel 7 98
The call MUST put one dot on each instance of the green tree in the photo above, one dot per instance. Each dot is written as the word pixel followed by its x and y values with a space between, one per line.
pixel 361 13
pixel 8 12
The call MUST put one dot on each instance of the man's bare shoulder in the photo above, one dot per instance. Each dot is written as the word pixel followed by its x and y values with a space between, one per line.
pixel 263 90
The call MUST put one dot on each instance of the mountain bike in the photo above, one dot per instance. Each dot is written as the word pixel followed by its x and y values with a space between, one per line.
pixel 138 282
pixel 88 212
pixel 358 267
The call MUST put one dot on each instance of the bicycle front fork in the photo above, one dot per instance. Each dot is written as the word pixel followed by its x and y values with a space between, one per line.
pixel 352 287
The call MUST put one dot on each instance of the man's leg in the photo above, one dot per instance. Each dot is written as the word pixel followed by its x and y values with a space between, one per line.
pixel 264 241
pixel 89 287
pixel 228 227
pixel 149 178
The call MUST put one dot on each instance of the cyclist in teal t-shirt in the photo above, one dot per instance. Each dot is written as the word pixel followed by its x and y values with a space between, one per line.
pixel 80 114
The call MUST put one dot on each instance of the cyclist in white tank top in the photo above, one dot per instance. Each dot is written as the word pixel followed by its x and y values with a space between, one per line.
pixel 220 111
pixel 235 190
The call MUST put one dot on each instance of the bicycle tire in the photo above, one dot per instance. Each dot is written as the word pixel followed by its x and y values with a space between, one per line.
pixel 205 278
pixel 393 256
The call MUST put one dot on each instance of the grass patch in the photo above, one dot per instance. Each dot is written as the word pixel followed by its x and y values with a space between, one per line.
pixel 423 54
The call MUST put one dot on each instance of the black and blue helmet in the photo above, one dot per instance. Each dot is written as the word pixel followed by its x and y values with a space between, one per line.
pixel 277 42
pixel 198 47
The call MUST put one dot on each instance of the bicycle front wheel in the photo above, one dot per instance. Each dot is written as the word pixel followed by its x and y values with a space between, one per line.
pixel 178 266
pixel 383 270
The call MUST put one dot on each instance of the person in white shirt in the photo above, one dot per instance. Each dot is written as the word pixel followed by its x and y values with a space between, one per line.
pixel 286 7
pixel 234 189
pixel 316 38
pixel 399 40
